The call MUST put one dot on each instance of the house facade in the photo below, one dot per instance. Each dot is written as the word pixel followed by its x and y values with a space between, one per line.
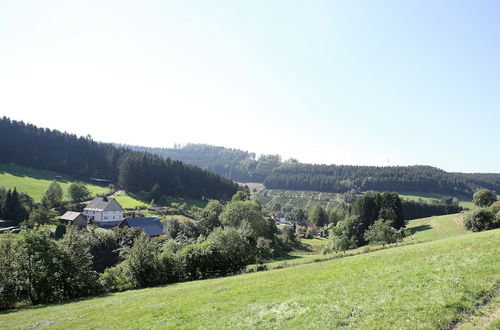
pixel 104 212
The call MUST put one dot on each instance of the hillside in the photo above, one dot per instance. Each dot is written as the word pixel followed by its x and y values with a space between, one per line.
pixel 244 166
pixel 81 157
pixel 430 285
pixel 35 182
pixel 437 227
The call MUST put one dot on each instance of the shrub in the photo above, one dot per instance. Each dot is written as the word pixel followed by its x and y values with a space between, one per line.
pixel 288 238
pixel 60 231
pixel 264 250
pixel 38 262
pixel 481 220
pixel 142 264
pixel 484 197
pixel 8 274
pixel 381 232
pixel 114 279
pixel 310 233
pixel 75 277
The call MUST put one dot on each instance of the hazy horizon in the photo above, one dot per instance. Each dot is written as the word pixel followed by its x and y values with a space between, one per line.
pixel 330 82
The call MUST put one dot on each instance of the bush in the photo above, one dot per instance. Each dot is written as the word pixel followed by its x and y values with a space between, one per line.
pixel 75 277
pixel 8 274
pixel 481 220
pixel 484 197
pixel 310 233
pixel 288 238
pixel 114 279
pixel 78 191
pixel 264 250
pixel 142 263
pixel 60 231
pixel 381 232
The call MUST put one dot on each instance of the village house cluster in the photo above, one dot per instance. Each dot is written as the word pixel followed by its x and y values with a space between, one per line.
pixel 107 213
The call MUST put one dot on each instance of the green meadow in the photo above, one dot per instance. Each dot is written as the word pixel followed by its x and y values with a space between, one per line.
pixel 437 227
pixel 426 286
pixel 35 182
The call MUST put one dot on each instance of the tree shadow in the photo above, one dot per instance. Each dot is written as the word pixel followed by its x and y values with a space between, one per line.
pixel 21 171
pixel 57 303
pixel 420 228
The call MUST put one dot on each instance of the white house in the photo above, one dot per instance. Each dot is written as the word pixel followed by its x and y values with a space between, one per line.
pixel 104 212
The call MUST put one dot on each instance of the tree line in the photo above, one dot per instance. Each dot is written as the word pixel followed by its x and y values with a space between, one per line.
pixel 238 165
pixel 41 148
pixel 244 166
pixel 342 178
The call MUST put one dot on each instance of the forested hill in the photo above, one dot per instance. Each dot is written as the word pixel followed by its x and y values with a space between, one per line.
pixel 245 167
pixel 235 164
pixel 31 146
pixel 341 178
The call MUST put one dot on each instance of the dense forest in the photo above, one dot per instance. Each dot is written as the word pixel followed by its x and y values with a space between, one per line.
pixel 342 178
pixel 243 166
pixel 41 148
pixel 239 165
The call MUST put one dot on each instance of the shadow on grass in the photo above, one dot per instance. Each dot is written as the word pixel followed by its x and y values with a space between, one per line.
pixel 26 172
pixel 286 257
pixel 420 228
pixel 26 305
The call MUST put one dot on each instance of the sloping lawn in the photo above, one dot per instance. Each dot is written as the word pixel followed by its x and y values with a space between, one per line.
pixel 437 227
pixel 35 182
pixel 423 286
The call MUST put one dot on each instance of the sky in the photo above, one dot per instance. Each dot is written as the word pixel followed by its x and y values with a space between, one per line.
pixel 336 82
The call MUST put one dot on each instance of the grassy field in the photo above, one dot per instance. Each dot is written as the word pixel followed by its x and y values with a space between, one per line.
pixel 35 182
pixel 127 201
pixel 428 285
pixel 130 201
pixel 425 229
pixel 465 202
pixel 437 227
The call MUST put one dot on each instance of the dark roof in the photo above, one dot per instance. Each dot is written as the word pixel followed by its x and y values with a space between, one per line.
pixel 99 203
pixel 70 216
pixel 150 226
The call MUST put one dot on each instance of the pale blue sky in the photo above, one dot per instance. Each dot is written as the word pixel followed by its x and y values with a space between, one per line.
pixel 345 82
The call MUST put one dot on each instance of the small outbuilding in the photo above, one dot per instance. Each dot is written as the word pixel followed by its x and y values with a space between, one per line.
pixel 150 225
pixel 74 218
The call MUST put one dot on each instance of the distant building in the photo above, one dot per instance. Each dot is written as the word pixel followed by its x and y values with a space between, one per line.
pixel 74 219
pixel 100 182
pixel 104 212
pixel 279 218
pixel 151 226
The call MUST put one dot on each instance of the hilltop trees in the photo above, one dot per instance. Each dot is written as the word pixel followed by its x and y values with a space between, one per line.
pixel 484 197
pixel 142 172
pixel 343 178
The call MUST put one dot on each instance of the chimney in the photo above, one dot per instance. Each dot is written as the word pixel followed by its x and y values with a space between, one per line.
pixel 105 199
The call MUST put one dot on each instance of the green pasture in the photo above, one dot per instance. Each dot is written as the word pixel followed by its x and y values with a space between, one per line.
pixel 426 286
pixel 437 227
pixel 35 182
